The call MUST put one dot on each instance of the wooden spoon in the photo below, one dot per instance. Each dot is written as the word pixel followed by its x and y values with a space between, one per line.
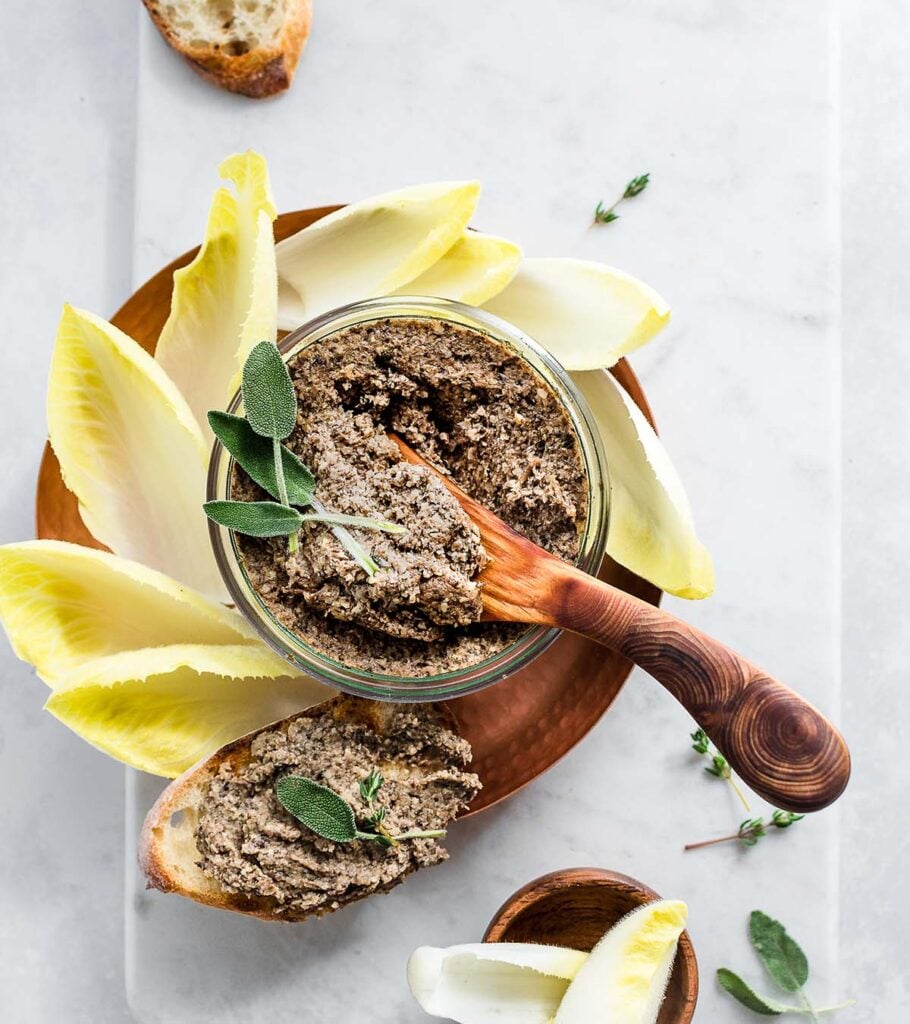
pixel 783 748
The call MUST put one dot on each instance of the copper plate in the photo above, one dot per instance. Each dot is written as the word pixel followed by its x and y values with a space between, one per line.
pixel 517 728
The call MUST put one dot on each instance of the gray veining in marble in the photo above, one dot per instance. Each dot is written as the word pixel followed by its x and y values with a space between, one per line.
pixel 107 166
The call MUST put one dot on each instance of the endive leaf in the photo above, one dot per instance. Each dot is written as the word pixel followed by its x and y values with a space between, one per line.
pixel 508 982
pixel 248 660
pixel 225 301
pixel 65 606
pixel 476 268
pixel 586 314
pixel 142 667
pixel 291 310
pixel 260 323
pixel 161 711
pixel 625 977
pixel 651 529
pixel 250 175
pixel 130 450
pixel 370 248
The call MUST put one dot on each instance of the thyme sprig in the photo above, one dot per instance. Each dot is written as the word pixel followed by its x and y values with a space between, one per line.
pixel 607 214
pixel 370 786
pixel 751 830
pixel 719 767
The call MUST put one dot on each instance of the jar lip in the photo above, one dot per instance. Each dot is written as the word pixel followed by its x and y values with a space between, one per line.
pixel 535 639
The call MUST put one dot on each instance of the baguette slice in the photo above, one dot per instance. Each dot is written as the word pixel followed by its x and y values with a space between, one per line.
pixel 246 46
pixel 168 854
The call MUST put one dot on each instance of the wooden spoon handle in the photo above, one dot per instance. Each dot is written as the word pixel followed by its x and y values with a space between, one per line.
pixel 780 745
pixel 783 748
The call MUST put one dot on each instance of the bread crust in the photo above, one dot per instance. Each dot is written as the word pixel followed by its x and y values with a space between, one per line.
pixel 184 795
pixel 261 72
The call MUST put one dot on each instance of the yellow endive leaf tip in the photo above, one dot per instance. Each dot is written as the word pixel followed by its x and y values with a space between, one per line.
pixel 250 173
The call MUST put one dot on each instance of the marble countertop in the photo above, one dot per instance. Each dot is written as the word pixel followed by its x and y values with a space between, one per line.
pixel 776 225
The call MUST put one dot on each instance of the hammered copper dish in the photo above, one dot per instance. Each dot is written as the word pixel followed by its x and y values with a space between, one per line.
pixel 575 907
pixel 518 728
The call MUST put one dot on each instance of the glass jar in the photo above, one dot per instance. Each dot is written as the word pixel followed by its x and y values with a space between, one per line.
pixel 531 643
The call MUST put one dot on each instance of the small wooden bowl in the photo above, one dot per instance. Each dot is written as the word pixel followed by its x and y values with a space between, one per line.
pixel 575 907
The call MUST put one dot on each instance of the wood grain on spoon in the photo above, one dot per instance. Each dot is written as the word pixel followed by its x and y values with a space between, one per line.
pixel 779 744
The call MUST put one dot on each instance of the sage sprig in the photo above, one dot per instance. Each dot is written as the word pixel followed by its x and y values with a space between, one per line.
pixel 607 214
pixel 751 830
pixel 329 815
pixel 787 965
pixel 719 767
pixel 269 519
pixel 270 405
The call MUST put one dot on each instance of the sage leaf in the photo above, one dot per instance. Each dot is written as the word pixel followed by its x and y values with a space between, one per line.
pixel 746 995
pixel 318 807
pixel 254 518
pixel 269 399
pixel 364 522
pixel 254 455
pixel 782 957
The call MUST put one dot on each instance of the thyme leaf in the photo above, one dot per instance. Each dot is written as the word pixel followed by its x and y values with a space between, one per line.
pixel 370 786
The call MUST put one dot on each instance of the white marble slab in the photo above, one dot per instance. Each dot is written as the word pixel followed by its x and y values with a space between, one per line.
pixel 730 105
pixel 67 100
pixel 874 924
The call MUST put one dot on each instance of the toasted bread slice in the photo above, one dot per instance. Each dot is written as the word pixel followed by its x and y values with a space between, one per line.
pixel 168 852
pixel 246 46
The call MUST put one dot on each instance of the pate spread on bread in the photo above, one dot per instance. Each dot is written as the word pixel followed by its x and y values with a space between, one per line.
pixel 219 834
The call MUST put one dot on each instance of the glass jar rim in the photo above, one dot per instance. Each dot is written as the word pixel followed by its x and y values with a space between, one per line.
pixel 533 641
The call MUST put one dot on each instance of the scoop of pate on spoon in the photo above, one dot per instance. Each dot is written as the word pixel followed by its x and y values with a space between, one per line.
pixel 783 747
